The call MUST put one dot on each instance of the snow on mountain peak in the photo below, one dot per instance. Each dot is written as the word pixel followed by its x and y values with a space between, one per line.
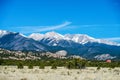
pixel 78 38
pixel 3 32
pixel 53 35
pixel 23 35
pixel 36 36
pixel 83 38
pixel 107 42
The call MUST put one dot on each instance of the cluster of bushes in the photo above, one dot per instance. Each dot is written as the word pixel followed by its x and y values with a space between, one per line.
pixel 76 64
pixel 68 63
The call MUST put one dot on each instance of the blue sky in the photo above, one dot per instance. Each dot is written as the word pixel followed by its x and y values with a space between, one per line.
pixel 97 18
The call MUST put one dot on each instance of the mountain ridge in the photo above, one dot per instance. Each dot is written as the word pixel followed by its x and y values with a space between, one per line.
pixel 77 44
pixel 78 38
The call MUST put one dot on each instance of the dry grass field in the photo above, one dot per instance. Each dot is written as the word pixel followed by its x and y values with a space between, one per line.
pixel 61 73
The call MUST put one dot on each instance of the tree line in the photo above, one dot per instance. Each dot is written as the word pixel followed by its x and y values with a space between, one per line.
pixel 68 63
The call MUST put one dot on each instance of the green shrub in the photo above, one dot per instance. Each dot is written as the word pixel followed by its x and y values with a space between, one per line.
pixel 30 66
pixel 54 66
pixel 98 68
pixel 20 66
pixel 41 66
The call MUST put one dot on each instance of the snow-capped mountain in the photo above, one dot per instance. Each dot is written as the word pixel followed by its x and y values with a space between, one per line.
pixel 83 39
pixel 79 44
pixel 78 38
pixel 36 36
pixel 3 32
pixel 75 44
pixel 51 35
pixel 17 41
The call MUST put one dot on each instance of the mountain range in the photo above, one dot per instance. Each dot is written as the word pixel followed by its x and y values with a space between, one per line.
pixel 75 44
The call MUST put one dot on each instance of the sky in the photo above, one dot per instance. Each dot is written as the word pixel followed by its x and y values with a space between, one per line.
pixel 96 18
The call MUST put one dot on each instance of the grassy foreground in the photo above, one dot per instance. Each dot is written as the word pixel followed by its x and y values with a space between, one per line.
pixel 61 73
pixel 59 69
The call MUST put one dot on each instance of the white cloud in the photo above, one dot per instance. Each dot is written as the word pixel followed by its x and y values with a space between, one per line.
pixel 101 25
pixel 35 29
pixel 54 27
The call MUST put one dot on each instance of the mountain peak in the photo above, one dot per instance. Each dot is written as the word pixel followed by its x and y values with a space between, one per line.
pixel 3 32
pixel 36 36
pixel 79 38
pixel 53 35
